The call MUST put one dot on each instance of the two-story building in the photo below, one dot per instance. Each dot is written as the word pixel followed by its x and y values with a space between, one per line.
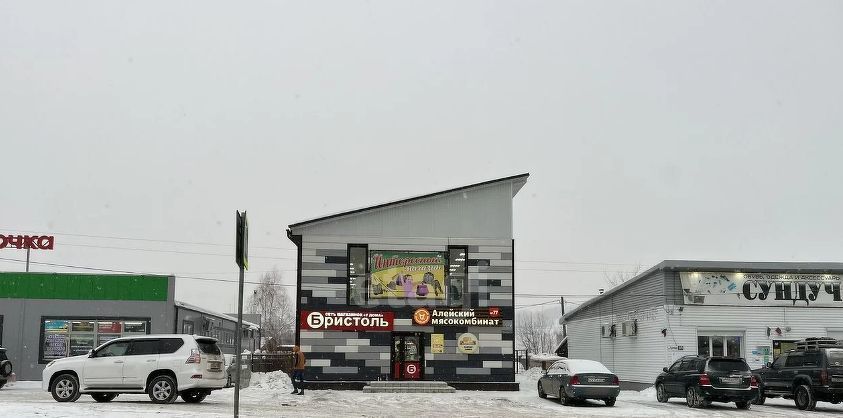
pixel 416 289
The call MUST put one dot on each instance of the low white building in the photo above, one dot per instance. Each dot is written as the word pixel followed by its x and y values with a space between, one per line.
pixel 736 309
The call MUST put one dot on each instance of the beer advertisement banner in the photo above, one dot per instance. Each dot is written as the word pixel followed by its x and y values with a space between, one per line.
pixel 760 289
pixel 407 275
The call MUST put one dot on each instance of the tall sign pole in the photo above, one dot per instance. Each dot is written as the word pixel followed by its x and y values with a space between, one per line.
pixel 242 259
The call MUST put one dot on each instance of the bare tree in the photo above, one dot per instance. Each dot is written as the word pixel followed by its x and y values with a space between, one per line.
pixel 536 331
pixel 277 309
pixel 618 277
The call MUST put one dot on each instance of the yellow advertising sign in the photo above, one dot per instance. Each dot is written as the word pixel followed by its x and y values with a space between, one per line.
pixel 467 343
pixel 437 343
pixel 407 275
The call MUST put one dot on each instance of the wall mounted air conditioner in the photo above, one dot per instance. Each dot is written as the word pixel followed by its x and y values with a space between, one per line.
pixel 629 328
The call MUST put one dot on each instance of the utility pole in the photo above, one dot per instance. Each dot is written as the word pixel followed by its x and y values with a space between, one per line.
pixel 242 259
pixel 564 330
pixel 27 259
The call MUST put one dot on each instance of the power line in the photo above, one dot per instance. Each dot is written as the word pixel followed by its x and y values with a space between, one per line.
pixel 263 257
pixel 536 304
pixel 291 249
pixel 577 262
pixel 184 276
pixel 211 279
pixel 144 239
pixel 173 251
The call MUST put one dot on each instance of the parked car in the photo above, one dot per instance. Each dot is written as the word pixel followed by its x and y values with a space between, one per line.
pixel 6 373
pixel 571 380
pixel 163 366
pixel 231 367
pixel 813 372
pixel 702 380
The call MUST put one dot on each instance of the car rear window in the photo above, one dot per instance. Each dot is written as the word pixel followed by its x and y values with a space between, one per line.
pixel 170 345
pixel 208 346
pixel 726 365
pixel 835 358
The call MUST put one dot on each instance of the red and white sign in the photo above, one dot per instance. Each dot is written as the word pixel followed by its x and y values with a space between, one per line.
pixel 412 370
pixel 347 321
pixel 34 242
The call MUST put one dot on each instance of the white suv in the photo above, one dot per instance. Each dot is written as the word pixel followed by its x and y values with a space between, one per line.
pixel 164 366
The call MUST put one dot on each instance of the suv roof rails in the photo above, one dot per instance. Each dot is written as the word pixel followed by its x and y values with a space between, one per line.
pixel 817 343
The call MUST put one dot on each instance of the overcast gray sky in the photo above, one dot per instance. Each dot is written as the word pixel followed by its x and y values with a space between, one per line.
pixel 652 129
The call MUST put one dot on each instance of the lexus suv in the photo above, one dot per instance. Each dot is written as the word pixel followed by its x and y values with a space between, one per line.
pixel 163 366
pixel 702 380
pixel 813 372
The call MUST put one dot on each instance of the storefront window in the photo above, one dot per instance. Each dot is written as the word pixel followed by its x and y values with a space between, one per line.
pixel 716 346
pixel 73 337
pixel 703 346
pixel 357 273
pixel 407 275
pixel 457 274
pixel 720 345
pixel 733 347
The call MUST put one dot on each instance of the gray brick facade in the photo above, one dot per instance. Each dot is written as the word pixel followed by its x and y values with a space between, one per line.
pixel 477 218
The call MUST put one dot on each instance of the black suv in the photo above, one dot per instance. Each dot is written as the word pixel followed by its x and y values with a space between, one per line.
pixel 813 372
pixel 5 368
pixel 702 380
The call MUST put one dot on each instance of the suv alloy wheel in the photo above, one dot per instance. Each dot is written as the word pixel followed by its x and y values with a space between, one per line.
pixel 65 388
pixel 694 398
pixel 804 398
pixel 163 389
pixel 661 394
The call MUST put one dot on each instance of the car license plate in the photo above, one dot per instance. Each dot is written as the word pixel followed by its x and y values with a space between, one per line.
pixel 215 366
pixel 730 380
pixel 596 380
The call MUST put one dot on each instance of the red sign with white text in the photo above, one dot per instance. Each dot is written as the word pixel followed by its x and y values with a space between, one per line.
pixel 347 321
pixel 33 242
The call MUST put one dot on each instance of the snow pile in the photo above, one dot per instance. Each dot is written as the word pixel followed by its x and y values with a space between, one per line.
pixel 648 394
pixel 531 375
pixel 277 380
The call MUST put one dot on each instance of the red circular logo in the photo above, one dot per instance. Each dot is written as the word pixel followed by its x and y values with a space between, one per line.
pixel 421 316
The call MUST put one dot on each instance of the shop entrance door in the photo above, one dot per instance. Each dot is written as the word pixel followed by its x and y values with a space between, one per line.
pixel 407 356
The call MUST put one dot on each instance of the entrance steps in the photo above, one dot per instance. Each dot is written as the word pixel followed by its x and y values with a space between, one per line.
pixel 408 386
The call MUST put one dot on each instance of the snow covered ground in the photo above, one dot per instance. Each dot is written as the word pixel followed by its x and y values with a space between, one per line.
pixel 269 395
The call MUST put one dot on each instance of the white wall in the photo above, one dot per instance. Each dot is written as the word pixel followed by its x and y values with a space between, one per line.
pixel 633 359
pixel 640 359
pixel 484 212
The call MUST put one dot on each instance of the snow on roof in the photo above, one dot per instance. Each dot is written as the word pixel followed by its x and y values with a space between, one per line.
pixel 186 305
pixel 545 357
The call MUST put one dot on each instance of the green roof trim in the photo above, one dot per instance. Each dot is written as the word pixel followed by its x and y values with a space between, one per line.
pixel 71 286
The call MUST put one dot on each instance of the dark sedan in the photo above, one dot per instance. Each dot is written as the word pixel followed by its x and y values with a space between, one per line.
pixel 571 380
pixel 702 380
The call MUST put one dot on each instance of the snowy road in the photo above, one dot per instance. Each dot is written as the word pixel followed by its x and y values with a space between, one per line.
pixel 271 397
